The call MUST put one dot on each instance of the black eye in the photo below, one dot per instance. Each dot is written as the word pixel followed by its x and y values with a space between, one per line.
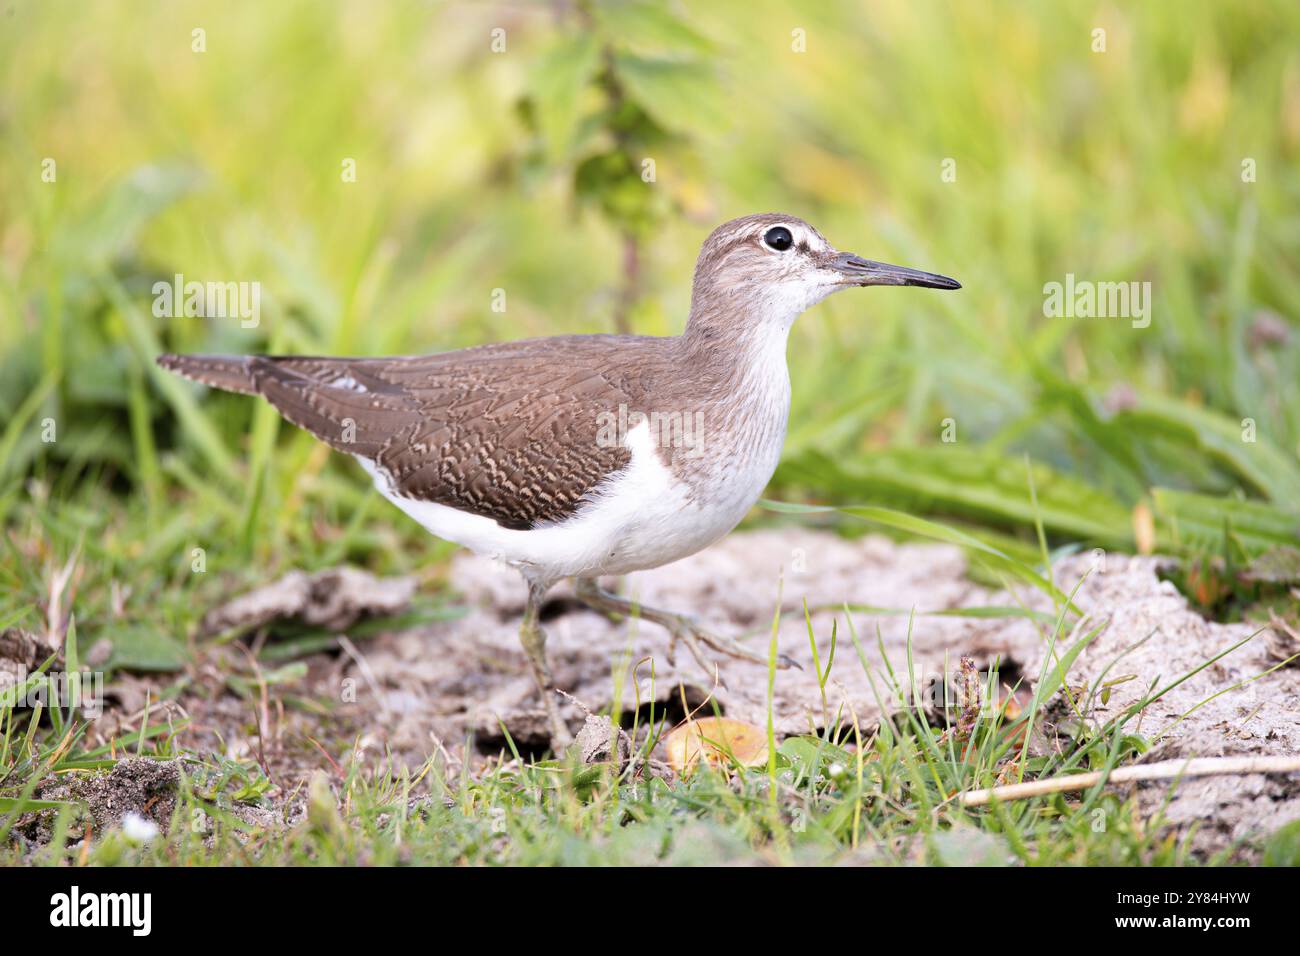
pixel 778 238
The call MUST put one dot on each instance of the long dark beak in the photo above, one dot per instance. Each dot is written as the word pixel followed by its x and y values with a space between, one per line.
pixel 859 271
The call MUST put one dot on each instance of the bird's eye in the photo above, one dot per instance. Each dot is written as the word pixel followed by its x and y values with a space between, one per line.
pixel 778 238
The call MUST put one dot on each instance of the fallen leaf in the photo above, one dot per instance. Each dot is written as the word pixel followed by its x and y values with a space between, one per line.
pixel 1277 565
pixel 720 740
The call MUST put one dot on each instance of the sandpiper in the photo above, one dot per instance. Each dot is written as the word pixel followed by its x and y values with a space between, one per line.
pixel 583 456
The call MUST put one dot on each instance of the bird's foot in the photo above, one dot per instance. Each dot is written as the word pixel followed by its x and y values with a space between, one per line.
pixel 688 630
pixel 680 627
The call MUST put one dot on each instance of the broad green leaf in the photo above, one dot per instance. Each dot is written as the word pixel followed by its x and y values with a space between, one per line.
pixel 1186 521
pixel 807 754
pixel 680 96
pixel 1283 847
pixel 557 85
pixel 1260 463
pixel 145 649
pixel 972 483
pixel 649 27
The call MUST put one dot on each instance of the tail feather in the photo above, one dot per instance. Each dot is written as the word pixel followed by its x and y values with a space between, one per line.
pixel 231 373
pixel 357 421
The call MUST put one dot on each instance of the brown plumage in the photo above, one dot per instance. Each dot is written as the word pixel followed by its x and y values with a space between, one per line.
pixel 504 431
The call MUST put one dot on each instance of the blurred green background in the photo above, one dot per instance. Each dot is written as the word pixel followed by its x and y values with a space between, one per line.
pixel 503 146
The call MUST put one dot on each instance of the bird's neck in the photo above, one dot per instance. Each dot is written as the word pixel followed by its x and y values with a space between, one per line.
pixel 738 365
pixel 736 348
pixel 727 329
pixel 736 379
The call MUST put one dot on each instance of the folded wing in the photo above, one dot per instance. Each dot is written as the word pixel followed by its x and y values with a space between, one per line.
pixel 516 432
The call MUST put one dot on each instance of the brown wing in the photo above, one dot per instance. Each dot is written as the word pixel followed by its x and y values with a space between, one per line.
pixel 512 432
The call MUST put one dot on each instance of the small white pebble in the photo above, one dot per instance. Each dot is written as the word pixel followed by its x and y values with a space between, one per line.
pixel 137 829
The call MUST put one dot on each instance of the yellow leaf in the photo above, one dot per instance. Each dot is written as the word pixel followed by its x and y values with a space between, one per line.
pixel 720 740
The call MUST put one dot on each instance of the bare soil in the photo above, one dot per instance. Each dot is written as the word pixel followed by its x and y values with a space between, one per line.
pixel 451 686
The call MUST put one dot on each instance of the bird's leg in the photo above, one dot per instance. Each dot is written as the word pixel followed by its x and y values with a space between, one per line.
pixel 681 627
pixel 533 638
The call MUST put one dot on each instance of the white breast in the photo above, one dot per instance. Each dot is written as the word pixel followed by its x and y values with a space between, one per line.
pixel 642 518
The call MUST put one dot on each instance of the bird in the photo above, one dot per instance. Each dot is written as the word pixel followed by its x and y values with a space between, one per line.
pixel 584 456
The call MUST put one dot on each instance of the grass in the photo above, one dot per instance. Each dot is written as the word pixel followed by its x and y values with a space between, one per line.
pixel 886 801
pixel 1182 437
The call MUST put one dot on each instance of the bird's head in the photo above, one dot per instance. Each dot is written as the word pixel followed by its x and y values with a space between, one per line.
pixel 770 267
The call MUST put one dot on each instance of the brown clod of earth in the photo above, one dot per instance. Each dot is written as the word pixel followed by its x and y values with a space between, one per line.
pixel 1283 642
pixel 600 741
pixel 21 652
pixel 135 784
pixel 334 599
